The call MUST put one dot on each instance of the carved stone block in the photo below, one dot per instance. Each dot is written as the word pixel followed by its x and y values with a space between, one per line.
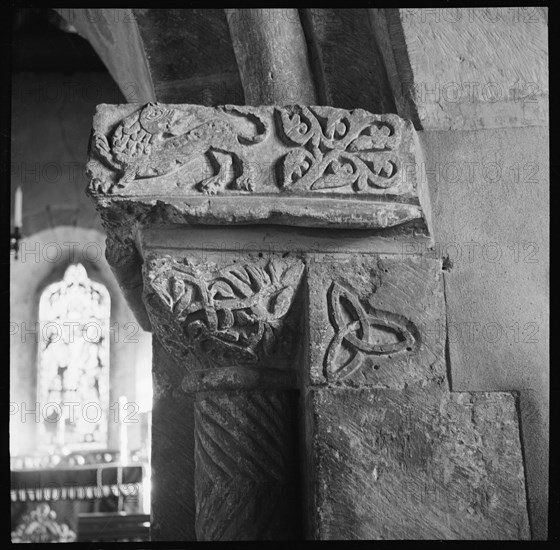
pixel 230 320
pixel 347 168
pixel 419 463
pixel 374 320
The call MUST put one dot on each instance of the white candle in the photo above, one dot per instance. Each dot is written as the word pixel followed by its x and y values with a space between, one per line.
pixel 18 208
pixel 123 431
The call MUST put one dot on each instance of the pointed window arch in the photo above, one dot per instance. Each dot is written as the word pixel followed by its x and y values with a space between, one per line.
pixel 73 362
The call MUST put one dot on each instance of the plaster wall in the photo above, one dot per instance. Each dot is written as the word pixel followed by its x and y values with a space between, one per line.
pixel 490 194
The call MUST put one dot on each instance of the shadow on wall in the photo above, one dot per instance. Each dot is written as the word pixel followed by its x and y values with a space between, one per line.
pixel 51 122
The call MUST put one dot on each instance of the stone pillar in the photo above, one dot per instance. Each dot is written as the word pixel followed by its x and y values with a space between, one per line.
pixel 311 331
pixel 232 326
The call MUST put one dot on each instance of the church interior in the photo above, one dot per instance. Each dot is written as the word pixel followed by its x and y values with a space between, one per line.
pixel 65 283
pixel 100 432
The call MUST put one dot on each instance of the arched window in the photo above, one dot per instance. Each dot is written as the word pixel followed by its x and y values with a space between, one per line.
pixel 73 363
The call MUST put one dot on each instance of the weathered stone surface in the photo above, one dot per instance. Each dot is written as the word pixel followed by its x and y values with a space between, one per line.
pixel 246 466
pixel 215 243
pixel 415 463
pixel 390 453
pixel 364 311
pixel 304 166
pixel 370 342
pixel 229 327
pixel 466 68
pixel 490 191
pixel 180 154
pixel 371 321
pixel 224 316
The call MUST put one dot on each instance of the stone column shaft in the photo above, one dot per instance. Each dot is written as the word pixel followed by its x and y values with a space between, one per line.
pixel 271 52
pixel 230 324
pixel 246 466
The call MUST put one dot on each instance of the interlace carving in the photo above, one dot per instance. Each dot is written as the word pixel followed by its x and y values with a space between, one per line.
pixel 226 317
pixel 358 333
pixel 340 149
pixel 159 140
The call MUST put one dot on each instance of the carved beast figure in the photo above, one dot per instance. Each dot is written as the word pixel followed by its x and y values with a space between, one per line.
pixel 158 140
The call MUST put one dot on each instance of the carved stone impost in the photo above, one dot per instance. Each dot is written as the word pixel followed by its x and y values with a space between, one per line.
pixel 326 156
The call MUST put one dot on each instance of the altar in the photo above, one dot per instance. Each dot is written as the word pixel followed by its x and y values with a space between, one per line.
pixel 81 502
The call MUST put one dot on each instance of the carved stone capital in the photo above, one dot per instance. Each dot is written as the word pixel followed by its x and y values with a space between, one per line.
pixel 232 321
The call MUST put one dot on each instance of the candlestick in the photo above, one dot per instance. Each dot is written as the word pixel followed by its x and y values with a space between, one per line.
pixel 18 208
pixel 15 238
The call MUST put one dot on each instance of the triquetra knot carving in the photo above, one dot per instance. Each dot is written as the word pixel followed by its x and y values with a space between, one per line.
pixel 359 333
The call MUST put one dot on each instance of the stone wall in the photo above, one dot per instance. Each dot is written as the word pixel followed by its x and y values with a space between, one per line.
pixel 490 192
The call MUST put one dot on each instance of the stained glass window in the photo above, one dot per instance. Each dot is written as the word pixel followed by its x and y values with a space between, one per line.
pixel 73 378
